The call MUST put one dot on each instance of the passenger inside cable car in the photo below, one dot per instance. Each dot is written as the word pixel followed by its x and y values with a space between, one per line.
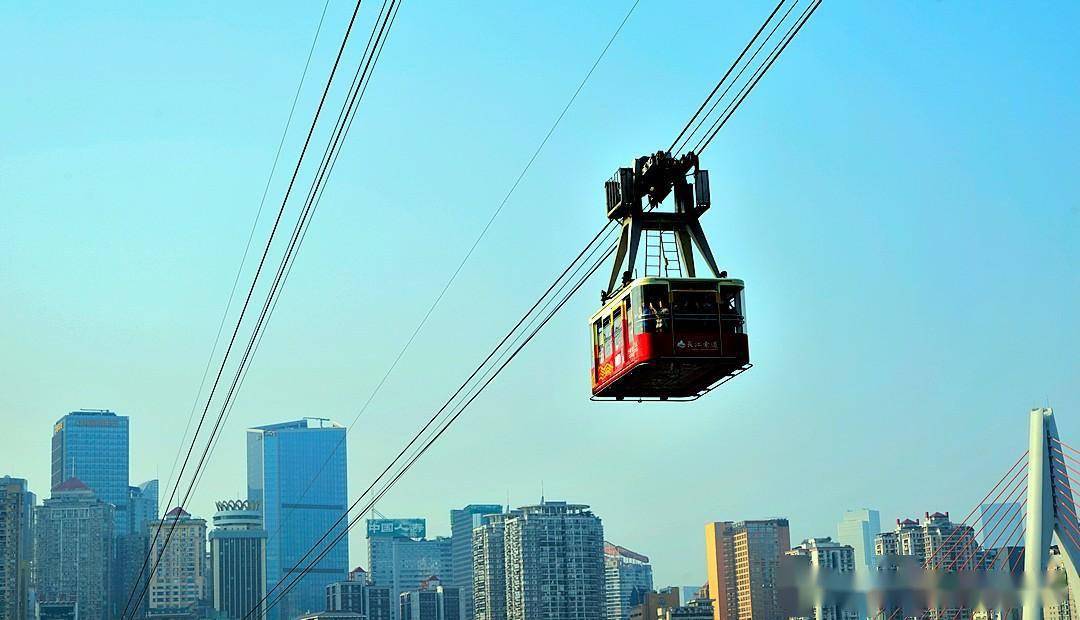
pixel 669 338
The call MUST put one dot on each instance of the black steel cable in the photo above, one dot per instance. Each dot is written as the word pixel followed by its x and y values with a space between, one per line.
pixel 725 77
pixel 735 80
pixel 472 248
pixel 589 249
pixel 240 318
pixel 247 245
pixel 326 165
pixel 473 392
pixel 461 408
pixel 720 122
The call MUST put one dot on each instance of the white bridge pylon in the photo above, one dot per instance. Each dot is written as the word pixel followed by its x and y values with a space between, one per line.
pixel 1050 511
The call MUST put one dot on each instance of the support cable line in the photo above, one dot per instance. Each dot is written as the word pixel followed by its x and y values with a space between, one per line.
pixel 746 90
pixel 678 145
pixel 464 260
pixel 329 158
pixel 247 246
pixel 692 133
pixel 584 260
pixel 236 330
pixel 440 423
pixel 723 79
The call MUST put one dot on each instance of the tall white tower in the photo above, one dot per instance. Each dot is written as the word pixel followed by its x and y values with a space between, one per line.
pixel 1049 501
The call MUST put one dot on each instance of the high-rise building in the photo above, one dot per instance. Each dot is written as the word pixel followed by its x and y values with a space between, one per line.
pixel 857 530
pixel 825 558
pixel 238 559
pixel 937 542
pixel 462 523
pixel 133 546
pixel 16 548
pixel 554 563
pixel 401 557
pixel 489 568
pixel 627 577
pixel 653 603
pixel 825 555
pixel 359 595
pixel 743 560
pixel 431 601
pixel 996 525
pixel 297 473
pixel 74 550
pixel 177 550
pixel 92 445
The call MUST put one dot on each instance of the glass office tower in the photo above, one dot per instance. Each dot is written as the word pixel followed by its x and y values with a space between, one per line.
pixel 92 445
pixel 297 474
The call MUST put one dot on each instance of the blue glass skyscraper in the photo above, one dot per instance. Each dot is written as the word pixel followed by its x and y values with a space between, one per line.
pixel 297 473
pixel 92 445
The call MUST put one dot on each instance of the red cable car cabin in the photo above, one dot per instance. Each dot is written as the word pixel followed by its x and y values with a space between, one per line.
pixel 661 338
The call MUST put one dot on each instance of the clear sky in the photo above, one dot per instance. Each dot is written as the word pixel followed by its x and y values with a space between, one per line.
pixel 900 194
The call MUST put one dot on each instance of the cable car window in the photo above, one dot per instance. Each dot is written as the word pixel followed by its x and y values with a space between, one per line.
pixel 731 317
pixel 598 339
pixel 695 310
pixel 607 336
pixel 655 313
pixel 618 329
pixel 629 308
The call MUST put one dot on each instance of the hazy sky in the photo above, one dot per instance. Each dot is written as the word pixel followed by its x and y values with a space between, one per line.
pixel 900 195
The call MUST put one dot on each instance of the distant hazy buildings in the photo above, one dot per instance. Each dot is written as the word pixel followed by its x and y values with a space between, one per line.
pixel 16 547
pixel 401 558
pixel 92 445
pixel 179 583
pixel 627 577
pixel 297 474
pixel 238 559
pixel 858 529
pixel 743 560
pixel 431 601
pixel 74 549
pixel 937 542
pixel 462 523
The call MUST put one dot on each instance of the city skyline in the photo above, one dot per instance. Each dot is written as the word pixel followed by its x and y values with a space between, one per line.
pixel 875 203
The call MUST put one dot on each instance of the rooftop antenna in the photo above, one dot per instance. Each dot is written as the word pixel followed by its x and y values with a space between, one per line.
pixel 541 492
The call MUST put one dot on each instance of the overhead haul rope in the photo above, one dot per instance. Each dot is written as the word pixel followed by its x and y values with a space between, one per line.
pixel 559 285
pixel 441 430
pixel 467 256
pixel 233 338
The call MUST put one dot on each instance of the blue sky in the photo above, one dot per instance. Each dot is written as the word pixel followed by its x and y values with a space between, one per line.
pixel 900 195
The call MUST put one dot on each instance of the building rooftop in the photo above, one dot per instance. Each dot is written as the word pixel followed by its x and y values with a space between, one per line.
pixel 71 484
pixel 302 424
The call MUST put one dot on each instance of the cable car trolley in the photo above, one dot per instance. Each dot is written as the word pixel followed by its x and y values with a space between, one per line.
pixel 669 334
